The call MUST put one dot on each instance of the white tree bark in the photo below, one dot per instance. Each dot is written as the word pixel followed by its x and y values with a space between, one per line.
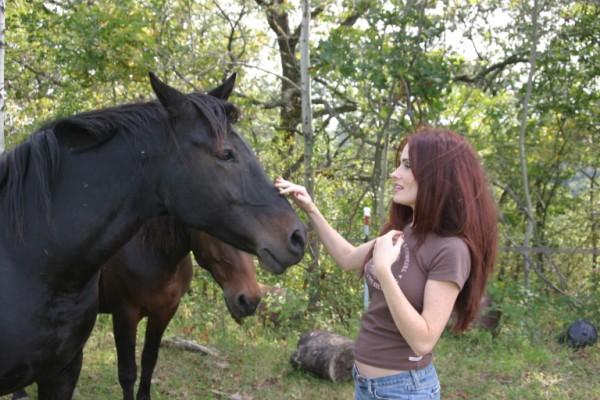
pixel 307 128
pixel 2 91
pixel 307 131
pixel 530 229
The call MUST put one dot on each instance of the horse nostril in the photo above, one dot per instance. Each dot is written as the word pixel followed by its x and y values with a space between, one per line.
pixel 247 304
pixel 243 301
pixel 297 241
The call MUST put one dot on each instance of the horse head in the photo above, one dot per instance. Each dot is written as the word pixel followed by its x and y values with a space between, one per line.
pixel 213 181
pixel 232 269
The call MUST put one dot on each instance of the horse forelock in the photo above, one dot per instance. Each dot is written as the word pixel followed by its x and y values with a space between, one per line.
pixel 217 112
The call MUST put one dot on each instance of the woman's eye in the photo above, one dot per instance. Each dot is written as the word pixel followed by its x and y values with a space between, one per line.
pixel 225 155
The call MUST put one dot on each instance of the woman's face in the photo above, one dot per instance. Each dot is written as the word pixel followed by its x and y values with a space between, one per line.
pixel 405 185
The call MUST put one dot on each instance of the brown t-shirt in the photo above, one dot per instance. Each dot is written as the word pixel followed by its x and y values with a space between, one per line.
pixel 379 343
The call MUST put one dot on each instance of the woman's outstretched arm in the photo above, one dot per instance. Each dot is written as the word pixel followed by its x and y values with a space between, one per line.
pixel 346 255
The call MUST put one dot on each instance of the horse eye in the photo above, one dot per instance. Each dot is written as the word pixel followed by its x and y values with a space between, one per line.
pixel 226 155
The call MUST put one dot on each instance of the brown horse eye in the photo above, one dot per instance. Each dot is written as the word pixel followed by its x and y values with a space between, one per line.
pixel 226 155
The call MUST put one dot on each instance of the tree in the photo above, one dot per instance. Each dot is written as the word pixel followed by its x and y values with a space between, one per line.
pixel 307 133
pixel 522 131
pixel 2 91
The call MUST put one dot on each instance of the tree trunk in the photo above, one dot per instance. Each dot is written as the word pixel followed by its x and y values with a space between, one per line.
pixel 325 354
pixel 287 41
pixel 2 91
pixel 593 218
pixel 379 177
pixel 594 230
pixel 530 229
pixel 380 170
pixel 314 272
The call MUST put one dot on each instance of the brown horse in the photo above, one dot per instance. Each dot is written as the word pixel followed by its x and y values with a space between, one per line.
pixel 148 277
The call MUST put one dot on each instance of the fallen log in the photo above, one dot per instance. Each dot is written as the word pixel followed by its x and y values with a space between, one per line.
pixel 188 345
pixel 325 354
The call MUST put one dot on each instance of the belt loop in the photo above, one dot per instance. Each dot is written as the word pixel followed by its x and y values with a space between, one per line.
pixel 358 375
pixel 414 374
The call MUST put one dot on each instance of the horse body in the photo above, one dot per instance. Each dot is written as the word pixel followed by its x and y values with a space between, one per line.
pixel 77 190
pixel 44 284
pixel 58 275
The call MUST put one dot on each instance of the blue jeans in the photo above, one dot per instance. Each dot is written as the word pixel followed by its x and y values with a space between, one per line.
pixel 419 384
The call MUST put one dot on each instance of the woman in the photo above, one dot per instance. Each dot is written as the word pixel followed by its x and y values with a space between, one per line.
pixel 433 257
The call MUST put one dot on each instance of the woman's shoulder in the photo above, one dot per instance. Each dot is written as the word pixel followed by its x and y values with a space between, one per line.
pixel 435 246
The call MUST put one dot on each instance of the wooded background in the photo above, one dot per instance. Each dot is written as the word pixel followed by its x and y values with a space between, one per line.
pixel 520 80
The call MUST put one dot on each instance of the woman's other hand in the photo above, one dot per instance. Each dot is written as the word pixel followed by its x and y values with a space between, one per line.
pixel 386 251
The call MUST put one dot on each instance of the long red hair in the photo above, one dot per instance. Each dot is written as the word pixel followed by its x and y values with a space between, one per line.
pixel 453 199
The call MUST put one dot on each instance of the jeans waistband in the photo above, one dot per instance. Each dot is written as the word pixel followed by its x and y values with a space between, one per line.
pixel 413 377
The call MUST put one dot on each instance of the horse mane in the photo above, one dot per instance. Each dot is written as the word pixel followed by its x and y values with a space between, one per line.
pixel 164 232
pixel 103 124
pixel 41 150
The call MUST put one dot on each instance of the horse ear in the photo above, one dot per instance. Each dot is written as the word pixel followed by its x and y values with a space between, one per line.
pixel 224 91
pixel 175 102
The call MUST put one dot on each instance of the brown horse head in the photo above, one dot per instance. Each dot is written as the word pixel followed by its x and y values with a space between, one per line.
pixel 233 270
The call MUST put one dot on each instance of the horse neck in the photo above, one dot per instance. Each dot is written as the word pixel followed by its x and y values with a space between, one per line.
pixel 99 200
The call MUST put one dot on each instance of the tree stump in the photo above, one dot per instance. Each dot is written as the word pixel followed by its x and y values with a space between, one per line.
pixel 325 354
pixel 488 317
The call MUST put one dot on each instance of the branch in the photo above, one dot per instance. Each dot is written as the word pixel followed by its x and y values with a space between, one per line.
pixel 536 268
pixel 351 19
pixel 284 78
pixel 506 189
pixel 266 105
pixel 37 73
pixel 514 59
pixel 337 92
pixel 293 168
pixel 332 111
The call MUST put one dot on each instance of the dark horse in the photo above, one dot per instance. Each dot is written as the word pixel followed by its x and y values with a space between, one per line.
pixel 79 188
pixel 148 277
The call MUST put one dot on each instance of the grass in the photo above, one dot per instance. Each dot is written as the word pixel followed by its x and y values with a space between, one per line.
pixel 477 366
pixel 521 363
pixel 252 365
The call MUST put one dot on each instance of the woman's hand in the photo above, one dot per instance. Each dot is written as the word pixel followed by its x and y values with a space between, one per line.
pixel 386 251
pixel 298 194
